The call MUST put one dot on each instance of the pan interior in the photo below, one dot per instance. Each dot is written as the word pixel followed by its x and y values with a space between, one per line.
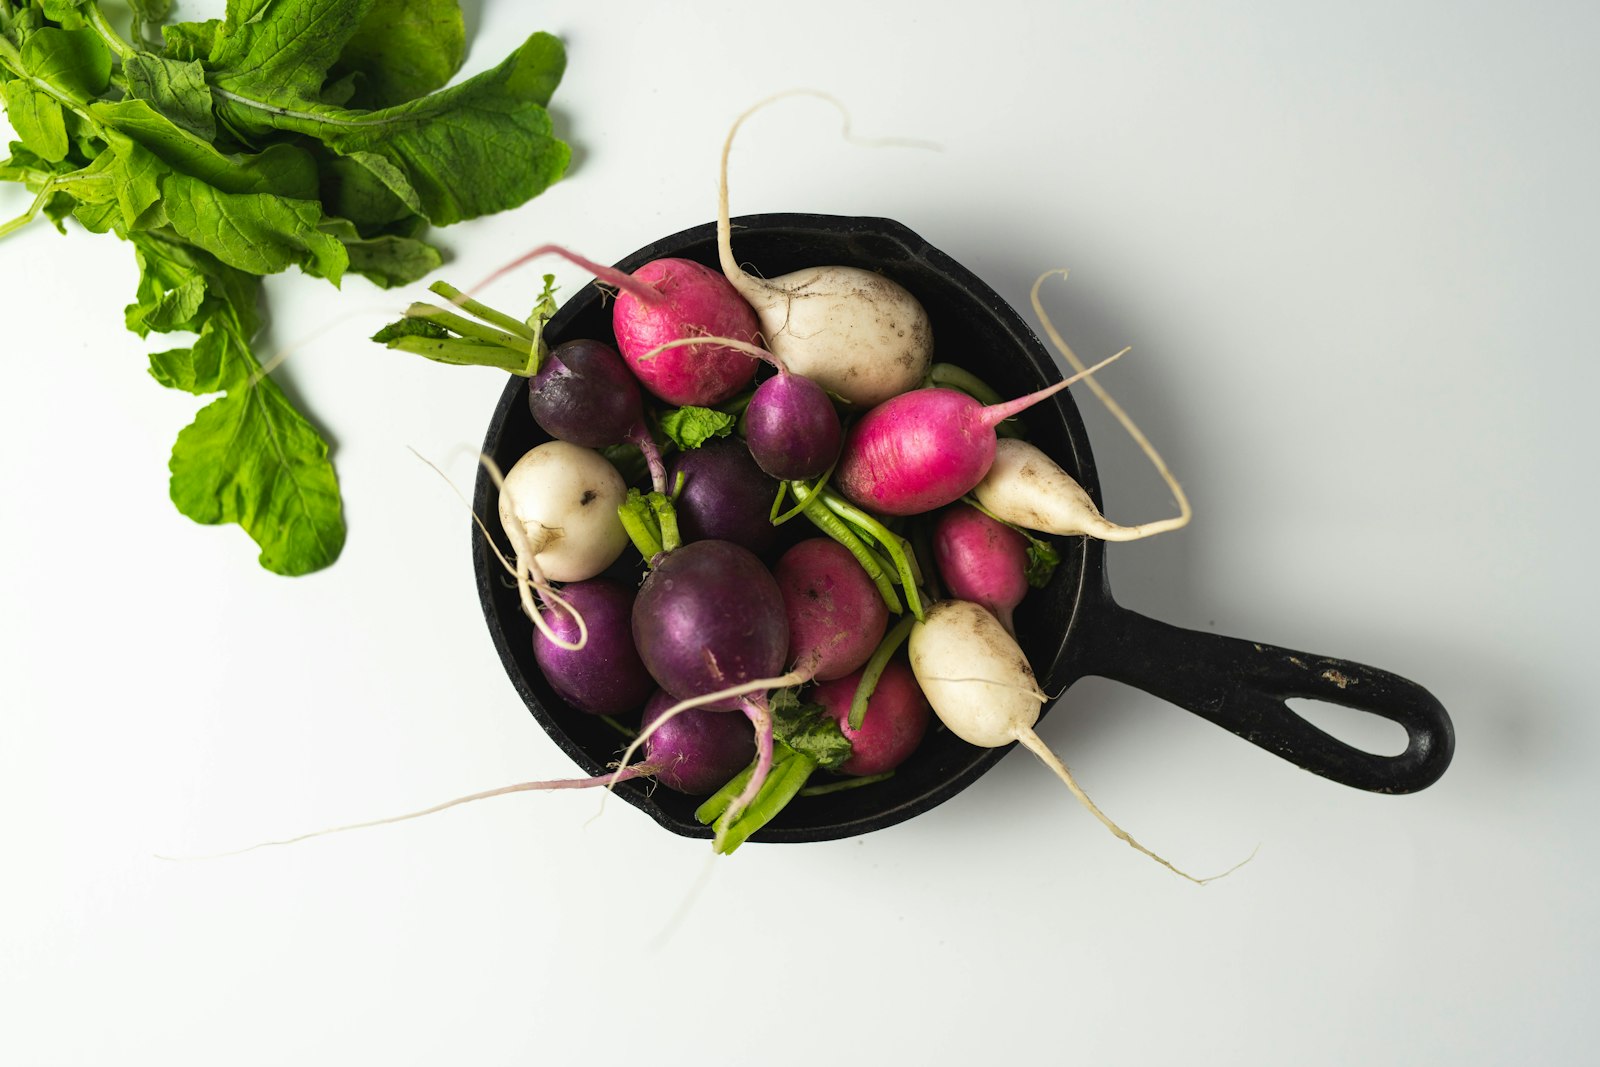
pixel 973 328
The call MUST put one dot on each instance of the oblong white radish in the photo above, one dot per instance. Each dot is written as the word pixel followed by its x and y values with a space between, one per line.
pixel 859 335
pixel 558 506
pixel 974 674
pixel 982 688
pixel 1026 487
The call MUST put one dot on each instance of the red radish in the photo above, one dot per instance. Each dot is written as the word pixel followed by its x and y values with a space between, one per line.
pixel 927 448
pixel 896 719
pixel 693 301
pixel 981 560
pixel 666 300
pixel 836 617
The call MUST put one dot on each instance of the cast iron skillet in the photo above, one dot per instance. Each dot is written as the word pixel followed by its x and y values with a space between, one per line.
pixel 1070 629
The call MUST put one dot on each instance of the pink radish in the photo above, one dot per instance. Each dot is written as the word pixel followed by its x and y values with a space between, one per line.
pixel 982 560
pixel 667 300
pixel 927 448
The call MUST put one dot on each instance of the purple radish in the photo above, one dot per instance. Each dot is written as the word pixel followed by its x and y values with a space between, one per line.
pixel 792 428
pixel 790 424
pixel 836 616
pixel 585 394
pixel 692 300
pixel 897 718
pixel 605 676
pixel 981 560
pixel 927 448
pixel 725 496
pixel 697 750
pixel 709 616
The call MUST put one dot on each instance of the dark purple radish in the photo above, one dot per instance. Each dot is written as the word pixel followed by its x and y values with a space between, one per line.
pixel 792 428
pixel 707 617
pixel 836 616
pixel 927 448
pixel 692 300
pixel 697 750
pixel 790 424
pixel 896 720
pixel 585 394
pixel 725 496
pixel 981 560
pixel 605 676
pixel 709 625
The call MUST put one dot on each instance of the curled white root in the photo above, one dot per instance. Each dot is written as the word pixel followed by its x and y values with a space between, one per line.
pixel 1126 533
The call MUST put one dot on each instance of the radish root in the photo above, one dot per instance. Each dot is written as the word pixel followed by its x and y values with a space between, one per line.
pixel 1033 743
pixel 528 575
pixel 520 787
pixel 1114 532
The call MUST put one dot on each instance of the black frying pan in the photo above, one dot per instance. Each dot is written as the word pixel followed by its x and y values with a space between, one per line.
pixel 1070 629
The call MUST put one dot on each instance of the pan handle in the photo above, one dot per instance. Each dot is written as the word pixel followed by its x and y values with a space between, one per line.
pixel 1242 686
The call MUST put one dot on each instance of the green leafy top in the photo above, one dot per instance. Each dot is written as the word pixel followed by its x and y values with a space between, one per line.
pixel 808 729
pixel 316 134
pixel 689 427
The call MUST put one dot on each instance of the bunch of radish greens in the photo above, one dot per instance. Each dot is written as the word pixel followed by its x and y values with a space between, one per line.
pixel 721 407
pixel 290 133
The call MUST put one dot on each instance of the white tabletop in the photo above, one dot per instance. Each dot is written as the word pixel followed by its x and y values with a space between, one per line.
pixel 1352 247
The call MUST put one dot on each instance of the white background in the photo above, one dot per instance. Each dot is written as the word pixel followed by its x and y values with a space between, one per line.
pixel 1353 248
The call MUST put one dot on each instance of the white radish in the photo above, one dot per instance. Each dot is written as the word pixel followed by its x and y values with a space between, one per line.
pixel 981 687
pixel 558 507
pixel 857 334
pixel 1026 488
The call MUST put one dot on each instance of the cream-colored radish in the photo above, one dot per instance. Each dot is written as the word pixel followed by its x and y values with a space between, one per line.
pixel 858 334
pixel 1026 488
pixel 558 507
pixel 982 688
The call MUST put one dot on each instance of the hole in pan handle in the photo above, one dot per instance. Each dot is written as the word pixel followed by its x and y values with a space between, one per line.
pixel 1242 686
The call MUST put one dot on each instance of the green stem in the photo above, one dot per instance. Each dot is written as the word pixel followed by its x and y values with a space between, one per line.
pixel 845 783
pixel 466 327
pixel 667 516
pixel 622 728
pixel 483 311
pixel 642 531
pixel 462 352
pixel 836 528
pixel 874 669
pixel 711 809
pixel 783 785
pixel 108 34
pixel 11 58
pixel 33 210
pixel 880 533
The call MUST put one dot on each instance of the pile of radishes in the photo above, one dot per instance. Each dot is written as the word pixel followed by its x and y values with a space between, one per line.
pixel 721 407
